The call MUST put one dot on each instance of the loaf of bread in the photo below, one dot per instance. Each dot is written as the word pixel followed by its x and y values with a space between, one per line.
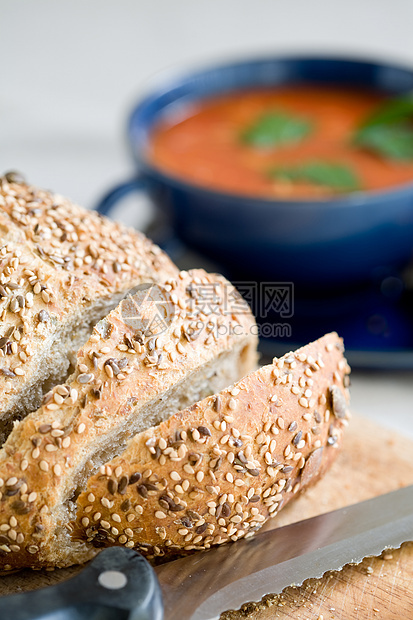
pixel 134 372
pixel 62 269
pixel 118 424
pixel 219 469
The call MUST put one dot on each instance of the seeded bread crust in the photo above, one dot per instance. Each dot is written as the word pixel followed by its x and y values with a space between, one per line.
pixel 219 469
pixel 120 372
pixel 62 269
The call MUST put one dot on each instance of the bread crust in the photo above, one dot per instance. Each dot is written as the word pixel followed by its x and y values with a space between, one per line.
pixel 57 260
pixel 117 370
pixel 219 469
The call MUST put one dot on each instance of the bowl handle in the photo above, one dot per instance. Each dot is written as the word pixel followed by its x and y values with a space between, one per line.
pixel 108 201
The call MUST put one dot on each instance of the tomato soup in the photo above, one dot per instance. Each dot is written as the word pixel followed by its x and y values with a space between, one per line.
pixel 290 142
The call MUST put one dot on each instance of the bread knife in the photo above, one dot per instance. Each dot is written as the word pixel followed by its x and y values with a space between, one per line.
pixel 120 584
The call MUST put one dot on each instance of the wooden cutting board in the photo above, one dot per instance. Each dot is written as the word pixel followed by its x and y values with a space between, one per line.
pixel 372 461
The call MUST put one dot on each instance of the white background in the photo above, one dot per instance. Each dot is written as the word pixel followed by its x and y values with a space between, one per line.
pixel 71 70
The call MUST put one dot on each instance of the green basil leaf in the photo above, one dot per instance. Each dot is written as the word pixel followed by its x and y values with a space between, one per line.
pixel 392 111
pixel 338 177
pixel 276 128
pixel 391 141
pixel 389 130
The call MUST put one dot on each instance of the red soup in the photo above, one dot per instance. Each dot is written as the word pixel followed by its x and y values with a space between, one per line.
pixel 291 142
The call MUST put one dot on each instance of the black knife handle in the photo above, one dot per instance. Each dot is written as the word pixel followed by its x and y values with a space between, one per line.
pixel 119 584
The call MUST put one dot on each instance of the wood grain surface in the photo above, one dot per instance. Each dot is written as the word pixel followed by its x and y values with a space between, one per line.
pixel 372 461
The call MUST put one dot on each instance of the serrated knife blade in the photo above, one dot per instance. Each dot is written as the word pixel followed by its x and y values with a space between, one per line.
pixel 120 584
pixel 202 586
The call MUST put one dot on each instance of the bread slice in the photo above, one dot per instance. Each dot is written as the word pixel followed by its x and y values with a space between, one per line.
pixel 62 269
pixel 159 351
pixel 217 470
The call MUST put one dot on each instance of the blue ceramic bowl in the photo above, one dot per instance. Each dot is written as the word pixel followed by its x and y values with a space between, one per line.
pixel 334 242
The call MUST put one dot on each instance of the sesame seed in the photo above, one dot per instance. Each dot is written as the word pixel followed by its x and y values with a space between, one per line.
pixel 162 443
pixel 236 519
pixel 160 515
pixel 81 428
pixel 32 497
pixel 33 549
pixel 57 470
pixel 108 370
pixel 182 450
pixel 44 466
pixel 52 406
pixel 261 437
pixel 62 390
